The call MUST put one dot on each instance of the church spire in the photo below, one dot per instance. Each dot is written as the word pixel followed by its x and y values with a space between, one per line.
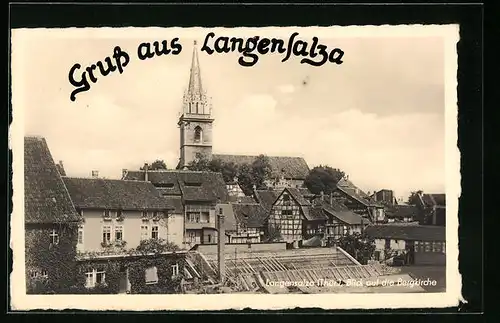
pixel 195 85
pixel 195 98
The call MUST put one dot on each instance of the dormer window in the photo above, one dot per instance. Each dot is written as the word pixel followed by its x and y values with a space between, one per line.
pixel 165 185
pixel 144 215
pixel 198 134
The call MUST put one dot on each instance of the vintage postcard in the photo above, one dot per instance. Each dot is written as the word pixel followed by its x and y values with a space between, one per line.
pixel 231 168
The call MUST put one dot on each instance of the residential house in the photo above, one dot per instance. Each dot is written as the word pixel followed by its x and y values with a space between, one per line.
pixel 418 244
pixel 340 220
pixel 50 219
pixel 199 192
pixel 432 208
pixel 290 216
pixel 358 201
pixel 401 213
pixel 122 213
pixel 250 224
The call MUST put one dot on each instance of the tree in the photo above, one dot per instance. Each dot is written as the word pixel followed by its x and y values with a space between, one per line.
pixel 273 233
pixel 413 198
pixel 358 245
pixel 156 165
pixel 323 179
pixel 245 179
pixel 261 171
pixel 154 246
pixel 228 170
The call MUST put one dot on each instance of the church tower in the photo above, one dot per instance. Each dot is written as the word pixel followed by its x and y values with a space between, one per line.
pixel 195 122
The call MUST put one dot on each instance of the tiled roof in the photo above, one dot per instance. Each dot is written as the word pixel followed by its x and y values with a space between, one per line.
pixel 46 199
pixel 192 185
pixel 114 194
pixel 315 213
pixel 295 193
pixel 401 211
pixel 434 199
pixel 353 191
pixel 245 199
pixel 176 203
pixel 289 167
pixel 251 215
pixel 266 198
pixel 407 232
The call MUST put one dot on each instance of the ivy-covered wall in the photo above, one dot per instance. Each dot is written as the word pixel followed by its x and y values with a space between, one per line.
pixel 115 269
pixel 56 261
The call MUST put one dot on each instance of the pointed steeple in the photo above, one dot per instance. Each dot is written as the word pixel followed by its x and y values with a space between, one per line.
pixel 195 98
pixel 195 85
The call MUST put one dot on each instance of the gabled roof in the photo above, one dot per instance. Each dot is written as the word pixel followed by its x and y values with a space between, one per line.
pixel 434 199
pixel 289 167
pixel 407 232
pixel 46 199
pixel 115 194
pixel 266 198
pixel 250 215
pixel 353 191
pixel 295 193
pixel 191 185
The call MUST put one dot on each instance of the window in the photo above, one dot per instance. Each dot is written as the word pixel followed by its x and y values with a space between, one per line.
pixel 144 232
pixel 155 232
pixel 106 234
pixel 144 214
pixel 286 212
pixel 94 277
pixel 105 214
pixel 286 197
pixel 44 274
pixel 427 246
pixel 100 277
pixel 192 236
pixel 175 270
pixel 119 214
pixel 165 185
pixel 80 234
pixel 33 274
pixel 151 275
pixel 198 134
pixel 54 237
pixel 119 233
pixel 193 217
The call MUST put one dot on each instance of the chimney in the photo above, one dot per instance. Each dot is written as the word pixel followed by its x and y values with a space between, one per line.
pixel 322 194
pixel 221 241
pixel 331 198
pixel 124 172
pixel 146 172
pixel 95 174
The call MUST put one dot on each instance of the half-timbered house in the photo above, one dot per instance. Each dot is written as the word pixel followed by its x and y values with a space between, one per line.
pixel 358 201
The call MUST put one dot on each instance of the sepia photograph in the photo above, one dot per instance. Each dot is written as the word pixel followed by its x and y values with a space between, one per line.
pixel 243 163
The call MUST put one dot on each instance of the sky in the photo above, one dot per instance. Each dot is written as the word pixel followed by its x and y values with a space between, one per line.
pixel 379 116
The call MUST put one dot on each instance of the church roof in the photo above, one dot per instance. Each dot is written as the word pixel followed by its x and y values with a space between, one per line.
pixel 289 167
pixel 114 194
pixel 46 199
pixel 191 185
